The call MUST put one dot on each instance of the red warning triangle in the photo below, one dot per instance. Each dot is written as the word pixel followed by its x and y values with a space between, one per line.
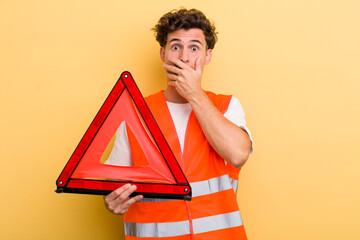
pixel 158 175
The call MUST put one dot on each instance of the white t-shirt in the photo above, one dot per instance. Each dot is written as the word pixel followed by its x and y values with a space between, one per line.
pixel 180 113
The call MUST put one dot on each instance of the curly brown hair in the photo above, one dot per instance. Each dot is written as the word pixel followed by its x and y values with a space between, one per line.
pixel 185 19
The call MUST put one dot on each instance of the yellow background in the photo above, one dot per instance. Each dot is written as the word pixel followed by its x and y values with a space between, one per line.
pixel 294 65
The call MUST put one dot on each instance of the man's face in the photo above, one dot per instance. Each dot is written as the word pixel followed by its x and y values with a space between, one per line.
pixel 187 46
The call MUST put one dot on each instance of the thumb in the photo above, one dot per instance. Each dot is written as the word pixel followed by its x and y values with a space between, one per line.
pixel 197 64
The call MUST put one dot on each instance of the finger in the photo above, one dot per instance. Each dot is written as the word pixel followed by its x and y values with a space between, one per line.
pixel 172 69
pixel 172 83
pixel 178 63
pixel 116 193
pixel 133 200
pixel 197 66
pixel 123 208
pixel 171 76
pixel 125 195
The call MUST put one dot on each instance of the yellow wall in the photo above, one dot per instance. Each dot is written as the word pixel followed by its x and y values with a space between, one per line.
pixel 294 65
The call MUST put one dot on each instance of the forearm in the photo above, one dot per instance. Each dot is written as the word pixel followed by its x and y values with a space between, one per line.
pixel 231 142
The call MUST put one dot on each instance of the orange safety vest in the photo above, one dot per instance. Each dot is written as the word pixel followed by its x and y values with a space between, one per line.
pixel 213 212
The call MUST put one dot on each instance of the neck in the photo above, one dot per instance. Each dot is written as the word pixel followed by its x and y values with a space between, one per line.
pixel 171 95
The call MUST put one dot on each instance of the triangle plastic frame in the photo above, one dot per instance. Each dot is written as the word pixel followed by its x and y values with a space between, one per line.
pixel 177 188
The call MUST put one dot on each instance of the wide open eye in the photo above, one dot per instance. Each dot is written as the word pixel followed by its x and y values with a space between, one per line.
pixel 194 49
pixel 175 47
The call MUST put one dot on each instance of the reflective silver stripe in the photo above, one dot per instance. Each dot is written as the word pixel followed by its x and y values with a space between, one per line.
pixel 172 229
pixel 212 185
pixel 148 200
pixel 202 188
pixel 217 222
pixel 234 184
pixel 169 229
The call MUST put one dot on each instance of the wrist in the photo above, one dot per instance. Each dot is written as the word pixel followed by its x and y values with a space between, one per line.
pixel 198 99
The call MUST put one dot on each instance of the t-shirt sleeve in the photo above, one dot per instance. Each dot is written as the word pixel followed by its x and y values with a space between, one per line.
pixel 236 115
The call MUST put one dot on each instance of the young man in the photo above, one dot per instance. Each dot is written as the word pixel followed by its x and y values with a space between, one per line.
pixel 206 132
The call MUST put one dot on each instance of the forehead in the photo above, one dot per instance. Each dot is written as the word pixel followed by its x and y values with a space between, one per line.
pixel 190 35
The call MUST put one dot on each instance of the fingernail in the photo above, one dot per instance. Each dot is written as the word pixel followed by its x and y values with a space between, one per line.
pixel 133 187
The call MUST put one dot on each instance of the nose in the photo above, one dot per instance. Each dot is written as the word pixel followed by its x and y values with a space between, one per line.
pixel 184 56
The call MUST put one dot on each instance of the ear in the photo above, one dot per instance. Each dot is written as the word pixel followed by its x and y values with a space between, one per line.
pixel 208 56
pixel 162 54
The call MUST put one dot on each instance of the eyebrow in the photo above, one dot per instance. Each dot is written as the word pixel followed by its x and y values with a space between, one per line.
pixel 179 40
